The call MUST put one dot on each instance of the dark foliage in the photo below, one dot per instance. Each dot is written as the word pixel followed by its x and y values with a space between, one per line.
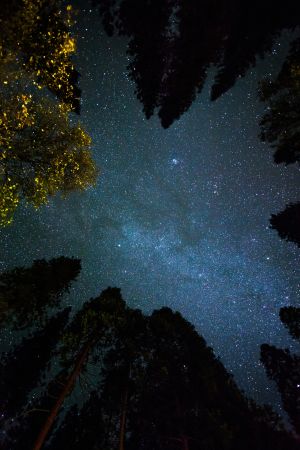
pixel 27 293
pixel 287 223
pixel 82 428
pixel 154 384
pixel 284 368
pixel 188 401
pixel 280 124
pixel 21 369
pixel 290 317
pixel 22 433
pixel 172 44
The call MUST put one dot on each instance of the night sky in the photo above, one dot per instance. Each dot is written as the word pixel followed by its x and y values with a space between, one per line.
pixel 179 217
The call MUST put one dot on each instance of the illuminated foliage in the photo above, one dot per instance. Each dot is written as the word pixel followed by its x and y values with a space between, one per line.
pixel 41 152
pixel 36 33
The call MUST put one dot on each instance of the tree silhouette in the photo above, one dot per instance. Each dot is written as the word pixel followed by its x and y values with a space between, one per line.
pixel 172 44
pixel 155 384
pixel 89 420
pixel 18 376
pixel 280 124
pixel 284 369
pixel 290 317
pixel 287 223
pixel 123 373
pixel 27 293
pixel 92 326
pixel 22 432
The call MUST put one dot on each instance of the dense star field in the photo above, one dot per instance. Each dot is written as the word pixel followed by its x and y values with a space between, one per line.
pixel 179 217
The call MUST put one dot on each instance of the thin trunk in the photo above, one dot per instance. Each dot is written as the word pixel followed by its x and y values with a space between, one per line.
pixel 185 442
pixel 66 390
pixel 123 420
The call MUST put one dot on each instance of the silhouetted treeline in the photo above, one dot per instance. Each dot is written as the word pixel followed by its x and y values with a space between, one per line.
pixel 283 367
pixel 135 382
pixel 173 43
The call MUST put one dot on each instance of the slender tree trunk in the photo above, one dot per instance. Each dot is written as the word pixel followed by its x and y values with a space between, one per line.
pixel 66 390
pixel 185 443
pixel 123 420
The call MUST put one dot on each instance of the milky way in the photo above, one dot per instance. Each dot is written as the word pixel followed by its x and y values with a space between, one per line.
pixel 179 217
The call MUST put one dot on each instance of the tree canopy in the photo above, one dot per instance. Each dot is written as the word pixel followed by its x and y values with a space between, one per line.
pixel 144 382
pixel 41 151
pixel 172 45
pixel 283 367
pixel 26 294
pixel 280 125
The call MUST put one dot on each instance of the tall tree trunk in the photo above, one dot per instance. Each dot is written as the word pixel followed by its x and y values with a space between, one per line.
pixel 123 420
pixel 66 390
pixel 185 442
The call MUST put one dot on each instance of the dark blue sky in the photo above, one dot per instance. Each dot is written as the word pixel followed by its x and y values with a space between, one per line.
pixel 179 217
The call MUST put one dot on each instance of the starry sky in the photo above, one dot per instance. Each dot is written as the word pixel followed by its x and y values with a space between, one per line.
pixel 179 217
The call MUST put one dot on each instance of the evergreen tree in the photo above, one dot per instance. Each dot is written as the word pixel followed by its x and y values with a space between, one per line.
pixel 284 368
pixel 287 223
pixel 173 43
pixel 290 317
pixel 88 421
pixel 27 293
pixel 22 368
pixel 91 327
pixel 280 124
pixel 156 385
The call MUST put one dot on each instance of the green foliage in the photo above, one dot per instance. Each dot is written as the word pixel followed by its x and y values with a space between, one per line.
pixel 41 155
pixel 41 151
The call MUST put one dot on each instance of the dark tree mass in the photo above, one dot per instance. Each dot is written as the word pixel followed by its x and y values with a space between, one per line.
pixel 280 125
pixel 27 293
pixel 290 317
pixel 172 44
pixel 135 381
pixel 287 223
pixel 22 368
pixel 284 369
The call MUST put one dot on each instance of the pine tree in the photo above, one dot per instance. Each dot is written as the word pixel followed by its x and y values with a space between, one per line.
pixel 290 317
pixel 280 124
pixel 92 326
pixel 287 223
pixel 22 369
pixel 284 368
pixel 172 44
pixel 26 294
